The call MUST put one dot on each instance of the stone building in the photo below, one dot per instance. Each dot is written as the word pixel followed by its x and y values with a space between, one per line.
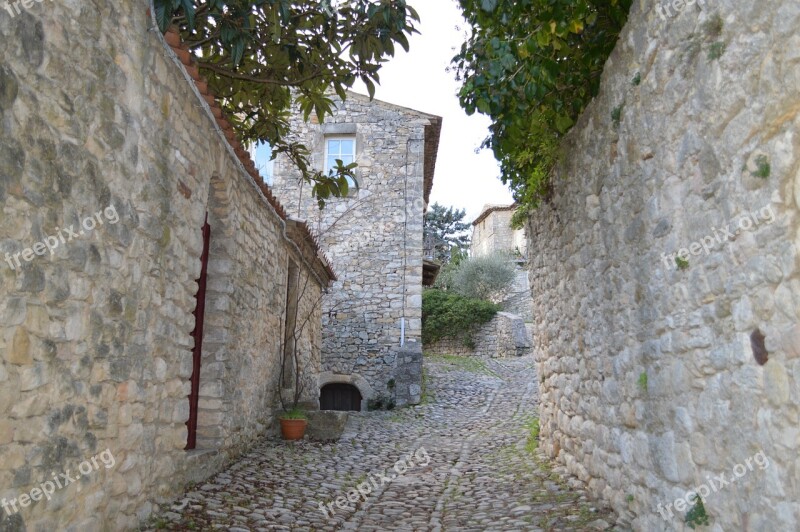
pixel 372 316
pixel 492 232
pixel 112 158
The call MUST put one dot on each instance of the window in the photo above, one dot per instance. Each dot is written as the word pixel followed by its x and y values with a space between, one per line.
pixel 343 148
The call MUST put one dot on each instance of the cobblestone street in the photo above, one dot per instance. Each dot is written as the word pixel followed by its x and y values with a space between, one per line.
pixel 471 465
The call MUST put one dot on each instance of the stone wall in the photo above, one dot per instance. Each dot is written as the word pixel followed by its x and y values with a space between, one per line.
pixel 96 116
pixel 503 336
pixel 517 298
pixel 374 237
pixel 653 374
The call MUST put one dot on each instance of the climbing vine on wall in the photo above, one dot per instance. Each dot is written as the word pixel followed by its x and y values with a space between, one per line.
pixel 533 66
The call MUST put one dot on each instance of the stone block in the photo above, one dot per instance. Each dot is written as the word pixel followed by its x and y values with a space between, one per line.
pixel 326 425
pixel 19 353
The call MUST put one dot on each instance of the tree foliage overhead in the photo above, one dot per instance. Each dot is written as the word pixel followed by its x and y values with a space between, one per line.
pixel 445 232
pixel 261 57
pixel 533 66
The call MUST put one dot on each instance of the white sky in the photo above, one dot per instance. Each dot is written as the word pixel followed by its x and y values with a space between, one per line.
pixel 418 80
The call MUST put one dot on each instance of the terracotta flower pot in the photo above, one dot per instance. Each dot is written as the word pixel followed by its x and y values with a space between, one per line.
pixel 293 429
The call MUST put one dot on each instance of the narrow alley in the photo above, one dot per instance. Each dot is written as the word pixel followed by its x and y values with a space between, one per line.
pixel 463 460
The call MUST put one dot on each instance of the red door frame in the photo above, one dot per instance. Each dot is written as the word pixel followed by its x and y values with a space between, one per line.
pixel 197 334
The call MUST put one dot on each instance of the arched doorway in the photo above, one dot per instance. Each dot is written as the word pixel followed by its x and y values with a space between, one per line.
pixel 340 396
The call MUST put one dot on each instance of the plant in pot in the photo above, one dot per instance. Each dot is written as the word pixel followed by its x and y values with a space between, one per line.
pixel 295 356
pixel 293 424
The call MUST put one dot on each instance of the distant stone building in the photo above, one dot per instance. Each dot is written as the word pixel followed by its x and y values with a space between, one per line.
pixel 372 316
pixel 111 155
pixel 492 232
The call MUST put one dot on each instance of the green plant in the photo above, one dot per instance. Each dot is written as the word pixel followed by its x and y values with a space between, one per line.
pixel 483 277
pixel 637 79
pixel 533 435
pixel 533 66
pixel 262 57
pixel 642 382
pixel 391 384
pixel 426 395
pixel 629 498
pixel 763 168
pixel 445 233
pixel 716 50
pixel 681 263
pixel 294 413
pixel 616 114
pixel 696 516
pixel 381 402
pixel 451 315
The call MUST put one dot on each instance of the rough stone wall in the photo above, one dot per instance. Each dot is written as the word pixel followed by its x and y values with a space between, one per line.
pixel 95 338
pixel 408 377
pixel 651 374
pixel 503 336
pixel 518 297
pixel 373 238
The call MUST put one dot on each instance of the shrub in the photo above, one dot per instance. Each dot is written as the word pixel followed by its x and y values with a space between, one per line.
pixel 451 315
pixel 483 277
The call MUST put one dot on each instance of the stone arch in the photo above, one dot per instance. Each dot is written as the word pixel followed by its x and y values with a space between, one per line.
pixel 214 386
pixel 367 393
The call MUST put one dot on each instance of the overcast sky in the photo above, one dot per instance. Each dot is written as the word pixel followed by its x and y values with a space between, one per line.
pixel 418 80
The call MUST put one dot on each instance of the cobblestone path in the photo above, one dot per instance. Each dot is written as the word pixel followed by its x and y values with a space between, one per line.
pixel 469 465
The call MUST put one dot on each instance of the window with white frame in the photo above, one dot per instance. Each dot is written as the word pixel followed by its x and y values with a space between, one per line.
pixel 344 149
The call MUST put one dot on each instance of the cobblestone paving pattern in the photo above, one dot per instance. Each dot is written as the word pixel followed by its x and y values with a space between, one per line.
pixel 472 467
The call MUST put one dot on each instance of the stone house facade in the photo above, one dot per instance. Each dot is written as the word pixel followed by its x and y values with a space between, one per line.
pixel 492 232
pixel 372 316
pixel 105 132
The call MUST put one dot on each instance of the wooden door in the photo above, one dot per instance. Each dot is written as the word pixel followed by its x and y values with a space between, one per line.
pixel 197 334
pixel 342 397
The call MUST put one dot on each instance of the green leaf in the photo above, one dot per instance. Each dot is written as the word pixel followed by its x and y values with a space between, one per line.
pixel 163 14
pixel 563 123
pixel 188 9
